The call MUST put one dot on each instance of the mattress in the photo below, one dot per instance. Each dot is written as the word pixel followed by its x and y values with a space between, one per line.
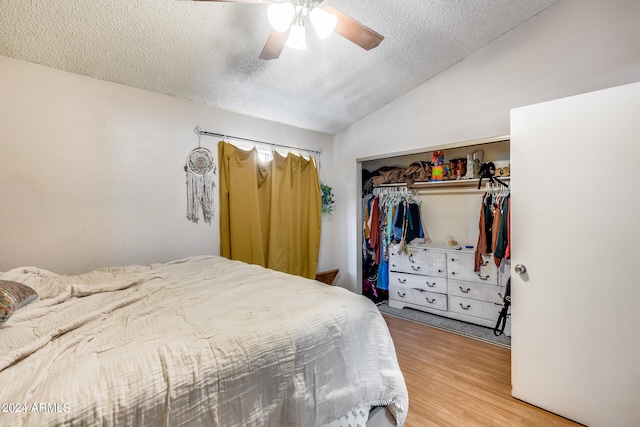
pixel 202 341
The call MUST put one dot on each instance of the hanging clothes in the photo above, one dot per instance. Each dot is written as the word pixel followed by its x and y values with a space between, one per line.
pixel 493 237
pixel 488 225
pixel 507 251
pixel 374 236
pixel 365 215
pixel 503 236
pixel 481 247
pixel 398 222
pixel 390 217
pixel 415 223
pixel 496 213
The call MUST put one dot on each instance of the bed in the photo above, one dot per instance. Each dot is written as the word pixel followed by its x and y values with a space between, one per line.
pixel 202 341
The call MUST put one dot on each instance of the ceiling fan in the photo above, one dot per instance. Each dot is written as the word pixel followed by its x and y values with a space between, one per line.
pixel 287 17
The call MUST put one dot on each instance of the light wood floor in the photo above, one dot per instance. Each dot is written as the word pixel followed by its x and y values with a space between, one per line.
pixel 458 381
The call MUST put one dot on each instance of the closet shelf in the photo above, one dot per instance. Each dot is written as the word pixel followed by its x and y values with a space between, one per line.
pixel 456 183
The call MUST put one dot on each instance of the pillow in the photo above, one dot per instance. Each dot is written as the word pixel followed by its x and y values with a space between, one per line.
pixel 34 277
pixel 13 295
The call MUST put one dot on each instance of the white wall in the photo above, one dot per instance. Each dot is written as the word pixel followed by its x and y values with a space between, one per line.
pixel 91 172
pixel 574 47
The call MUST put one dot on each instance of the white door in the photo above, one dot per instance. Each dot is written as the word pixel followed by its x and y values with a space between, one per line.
pixel 575 200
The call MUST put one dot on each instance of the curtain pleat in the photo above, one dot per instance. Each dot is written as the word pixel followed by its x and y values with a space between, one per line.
pixel 270 212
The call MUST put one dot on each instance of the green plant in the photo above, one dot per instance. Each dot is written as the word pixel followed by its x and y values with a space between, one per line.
pixel 327 199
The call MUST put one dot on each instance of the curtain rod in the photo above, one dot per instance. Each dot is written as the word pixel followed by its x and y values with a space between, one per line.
pixel 219 135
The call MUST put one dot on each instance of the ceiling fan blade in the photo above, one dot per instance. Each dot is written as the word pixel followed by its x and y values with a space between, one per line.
pixel 274 45
pixel 354 31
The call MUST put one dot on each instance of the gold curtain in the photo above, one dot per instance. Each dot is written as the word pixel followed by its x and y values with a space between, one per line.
pixel 270 212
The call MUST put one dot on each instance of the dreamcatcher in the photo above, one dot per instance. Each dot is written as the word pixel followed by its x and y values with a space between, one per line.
pixel 200 169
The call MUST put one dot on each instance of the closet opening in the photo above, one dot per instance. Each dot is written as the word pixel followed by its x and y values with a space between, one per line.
pixel 439 186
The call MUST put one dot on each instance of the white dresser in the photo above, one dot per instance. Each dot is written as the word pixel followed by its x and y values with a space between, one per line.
pixel 441 280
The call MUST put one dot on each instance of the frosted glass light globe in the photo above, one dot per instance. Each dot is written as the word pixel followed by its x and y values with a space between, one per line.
pixel 280 15
pixel 297 38
pixel 323 21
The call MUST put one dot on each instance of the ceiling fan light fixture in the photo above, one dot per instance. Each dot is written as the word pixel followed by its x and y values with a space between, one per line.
pixel 323 21
pixel 280 15
pixel 297 39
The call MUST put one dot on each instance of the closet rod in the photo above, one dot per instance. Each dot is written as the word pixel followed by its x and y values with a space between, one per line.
pixel 219 135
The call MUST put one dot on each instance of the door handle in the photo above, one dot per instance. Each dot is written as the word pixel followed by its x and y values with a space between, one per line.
pixel 520 269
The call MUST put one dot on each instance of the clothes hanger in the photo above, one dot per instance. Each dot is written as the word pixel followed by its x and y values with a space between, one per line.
pixel 505 191
pixel 488 194
pixel 414 196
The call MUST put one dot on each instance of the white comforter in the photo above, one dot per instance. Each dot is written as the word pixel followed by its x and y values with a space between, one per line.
pixel 202 341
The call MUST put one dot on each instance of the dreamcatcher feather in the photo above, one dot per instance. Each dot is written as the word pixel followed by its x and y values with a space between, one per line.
pixel 200 184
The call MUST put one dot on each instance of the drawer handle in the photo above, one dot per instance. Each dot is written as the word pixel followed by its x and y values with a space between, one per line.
pixel 402 280
pixel 464 291
pixel 452 259
pixel 411 258
pixel 467 307
pixel 414 268
pixel 439 271
pixel 484 263
pixel 453 273
pixel 430 301
pixel 483 278
pixel 393 265
pixel 431 285
pixel 402 295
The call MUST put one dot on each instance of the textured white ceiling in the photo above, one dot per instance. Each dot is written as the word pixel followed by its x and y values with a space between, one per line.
pixel 208 51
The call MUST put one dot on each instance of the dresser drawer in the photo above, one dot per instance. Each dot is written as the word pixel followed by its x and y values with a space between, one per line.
pixel 492 311
pixel 460 266
pixel 424 298
pixel 421 283
pixel 464 289
pixel 418 260
pixel 482 309
pixel 468 306
pixel 494 294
